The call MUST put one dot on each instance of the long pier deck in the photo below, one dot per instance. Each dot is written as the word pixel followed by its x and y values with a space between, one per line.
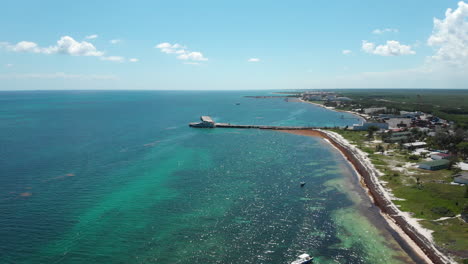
pixel 224 125
pixel 207 122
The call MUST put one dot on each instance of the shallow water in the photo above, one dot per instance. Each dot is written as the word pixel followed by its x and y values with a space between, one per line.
pixel 119 177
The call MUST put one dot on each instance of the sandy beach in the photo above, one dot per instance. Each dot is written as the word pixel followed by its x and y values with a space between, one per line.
pixel 336 110
pixel 417 237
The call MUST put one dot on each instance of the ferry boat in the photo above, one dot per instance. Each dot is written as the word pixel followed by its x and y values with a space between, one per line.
pixel 303 259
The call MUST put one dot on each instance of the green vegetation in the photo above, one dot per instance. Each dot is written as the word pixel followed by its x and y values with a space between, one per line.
pixel 427 195
pixel 447 104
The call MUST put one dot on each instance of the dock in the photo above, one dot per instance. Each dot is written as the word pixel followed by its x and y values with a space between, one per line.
pixel 207 122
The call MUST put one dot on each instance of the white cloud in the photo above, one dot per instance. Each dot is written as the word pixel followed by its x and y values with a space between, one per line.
pixel 133 60
pixel 253 60
pixel 391 48
pixel 346 52
pixel 57 75
pixel 450 38
pixel 94 36
pixel 182 51
pixel 115 41
pixel 65 45
pixel 8 65
pixel 385 30
pixel 113 58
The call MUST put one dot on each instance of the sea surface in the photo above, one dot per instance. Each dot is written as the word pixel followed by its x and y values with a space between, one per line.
pixel 119 177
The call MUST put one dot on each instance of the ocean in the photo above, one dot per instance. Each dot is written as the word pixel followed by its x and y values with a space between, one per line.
pixel 119 177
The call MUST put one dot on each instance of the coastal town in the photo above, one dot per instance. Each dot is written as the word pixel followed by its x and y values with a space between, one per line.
pixel 421 159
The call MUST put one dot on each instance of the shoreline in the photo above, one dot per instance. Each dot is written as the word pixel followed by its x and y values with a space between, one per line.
pixel 336 110
pixel 417 238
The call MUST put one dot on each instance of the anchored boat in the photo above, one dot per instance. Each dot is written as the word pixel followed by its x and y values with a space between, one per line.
pixel 303 259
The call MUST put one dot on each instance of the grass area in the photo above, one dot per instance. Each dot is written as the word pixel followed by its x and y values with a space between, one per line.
pixel 447 104
pixel 427 195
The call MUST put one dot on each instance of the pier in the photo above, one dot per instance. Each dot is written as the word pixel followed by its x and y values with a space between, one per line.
pixel 207 122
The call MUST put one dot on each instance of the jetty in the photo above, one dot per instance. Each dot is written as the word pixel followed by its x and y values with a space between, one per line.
pixel 207 122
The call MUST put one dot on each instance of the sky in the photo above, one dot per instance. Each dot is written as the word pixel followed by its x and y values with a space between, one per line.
pixel 233 45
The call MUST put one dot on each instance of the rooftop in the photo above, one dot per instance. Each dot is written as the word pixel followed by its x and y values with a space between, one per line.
pixel 436 162
pixel 207 119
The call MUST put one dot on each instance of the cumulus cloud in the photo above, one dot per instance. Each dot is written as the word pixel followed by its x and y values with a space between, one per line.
pixel 133 60
pixel 391 48
pixel 65 45
pixel 450 37
pixel 58 75
pixel 253 60
pixel 385 30
pixel 115 41
pixel 182 52
pixel 94 36
pixel 346 52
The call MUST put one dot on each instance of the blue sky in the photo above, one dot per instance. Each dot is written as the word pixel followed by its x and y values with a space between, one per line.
pixel 233 44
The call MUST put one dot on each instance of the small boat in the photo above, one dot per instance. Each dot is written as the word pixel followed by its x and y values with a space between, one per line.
pixel 237 103
pixel 303 259
pixel 302 184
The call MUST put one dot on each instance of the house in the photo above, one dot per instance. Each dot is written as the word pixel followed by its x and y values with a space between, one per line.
pixel 439 156
pixel 414 145
pixel 365 126
pixel 435 165
pixel 461 178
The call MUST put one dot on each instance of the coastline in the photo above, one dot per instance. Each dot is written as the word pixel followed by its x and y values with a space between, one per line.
pixel 418 238
pixel 336 110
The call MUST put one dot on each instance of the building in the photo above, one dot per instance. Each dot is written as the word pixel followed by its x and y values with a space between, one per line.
pixel 206 122
pixel 396 137
pixel 366 125
pixel 398 122
pixel 439 156
pixel 414 145
pixel 374 110
pixel 435 165
pixel 461 178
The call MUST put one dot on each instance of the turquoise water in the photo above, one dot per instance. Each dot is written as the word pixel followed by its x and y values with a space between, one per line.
pixel 119 177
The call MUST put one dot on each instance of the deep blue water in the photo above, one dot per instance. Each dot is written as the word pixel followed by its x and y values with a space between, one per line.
pixel 119 177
